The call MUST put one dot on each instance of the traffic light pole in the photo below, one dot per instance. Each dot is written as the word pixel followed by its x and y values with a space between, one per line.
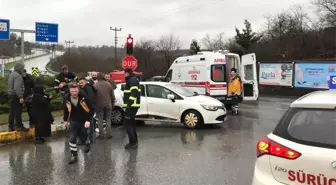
pixel 115 41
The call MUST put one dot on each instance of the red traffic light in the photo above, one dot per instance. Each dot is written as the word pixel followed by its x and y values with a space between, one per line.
pixel 129 44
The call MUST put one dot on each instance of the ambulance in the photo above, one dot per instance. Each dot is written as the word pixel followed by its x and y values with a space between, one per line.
pixel 208 73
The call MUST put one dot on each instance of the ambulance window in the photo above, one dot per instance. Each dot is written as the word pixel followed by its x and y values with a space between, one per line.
pixel 248 70
pixel 233 60
pixel 168 76
pixel 218 73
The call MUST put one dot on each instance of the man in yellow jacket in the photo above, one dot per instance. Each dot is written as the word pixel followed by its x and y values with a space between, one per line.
pixel 235 90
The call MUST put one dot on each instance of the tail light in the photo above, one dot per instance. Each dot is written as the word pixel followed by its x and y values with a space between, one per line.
pixel 207 88
pixel 267 146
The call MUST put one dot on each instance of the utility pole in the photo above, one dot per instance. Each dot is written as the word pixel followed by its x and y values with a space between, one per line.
pixel 115 41
pixel 68 42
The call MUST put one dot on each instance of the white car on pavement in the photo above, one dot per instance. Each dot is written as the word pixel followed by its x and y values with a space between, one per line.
pixel 161 101
pixel 302 147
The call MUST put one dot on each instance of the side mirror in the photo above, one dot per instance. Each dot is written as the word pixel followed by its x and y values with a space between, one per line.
pixel 171 97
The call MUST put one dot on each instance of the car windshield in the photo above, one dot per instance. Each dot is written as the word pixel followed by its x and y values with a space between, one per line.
pixel 181 90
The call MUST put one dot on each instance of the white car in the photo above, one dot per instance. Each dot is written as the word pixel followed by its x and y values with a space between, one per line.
pixel 161 101
pixel 302 147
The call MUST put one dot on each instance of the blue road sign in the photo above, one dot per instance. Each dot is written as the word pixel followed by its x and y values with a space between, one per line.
pixel 332 82
pixel 4 29
pixel 46 32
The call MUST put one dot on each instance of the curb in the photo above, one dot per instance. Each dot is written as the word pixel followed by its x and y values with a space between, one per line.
pixel 6 137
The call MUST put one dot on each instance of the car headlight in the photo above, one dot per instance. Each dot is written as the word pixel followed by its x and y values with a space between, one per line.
pixel 210 107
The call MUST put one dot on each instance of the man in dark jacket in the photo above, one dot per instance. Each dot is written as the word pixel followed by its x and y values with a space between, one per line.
pixel 90 91
pixel 15 97
pixel 63 79
pixel 29 83
pixel 77 115
pixel 132 104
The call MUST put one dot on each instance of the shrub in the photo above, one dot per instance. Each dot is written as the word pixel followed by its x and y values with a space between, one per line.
pixel 45 80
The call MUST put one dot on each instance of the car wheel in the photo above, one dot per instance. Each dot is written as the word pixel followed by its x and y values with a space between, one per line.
pixel 117 116
pixel 192 119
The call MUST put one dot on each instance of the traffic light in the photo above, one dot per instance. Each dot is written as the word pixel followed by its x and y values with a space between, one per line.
pixel 129 45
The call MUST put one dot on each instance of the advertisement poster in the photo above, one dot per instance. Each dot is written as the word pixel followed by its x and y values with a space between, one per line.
pixel 314 75
pixel 276 74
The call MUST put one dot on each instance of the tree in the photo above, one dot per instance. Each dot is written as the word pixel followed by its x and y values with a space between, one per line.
pixel 144 50
pixel 194 47
pixel 327 11
pixel 168 45
pixel 247 37
pixel 216 43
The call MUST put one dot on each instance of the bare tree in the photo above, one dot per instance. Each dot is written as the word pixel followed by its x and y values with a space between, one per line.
pixel 326 9
pixel 214 43
pixel 168 45
pixel 144 49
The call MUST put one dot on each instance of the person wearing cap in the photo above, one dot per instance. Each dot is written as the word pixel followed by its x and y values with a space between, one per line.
pixel 77 116
pixel 15 98
pixel 29 83
pixel 63 78
pixel 131 105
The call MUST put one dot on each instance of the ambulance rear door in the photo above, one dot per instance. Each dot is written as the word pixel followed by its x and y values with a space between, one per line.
pixel 249 77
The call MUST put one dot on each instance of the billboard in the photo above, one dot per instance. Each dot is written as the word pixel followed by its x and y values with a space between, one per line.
pixel 279 74
pixel 314 75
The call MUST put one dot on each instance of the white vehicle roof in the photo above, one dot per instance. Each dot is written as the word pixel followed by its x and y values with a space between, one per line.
pixel 318 99
pixel 152 83
pixel 202 54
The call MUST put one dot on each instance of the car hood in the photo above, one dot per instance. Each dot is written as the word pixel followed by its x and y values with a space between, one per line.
pixel 207 100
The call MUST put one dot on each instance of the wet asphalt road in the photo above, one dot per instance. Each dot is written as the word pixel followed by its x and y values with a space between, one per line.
pixel 167 154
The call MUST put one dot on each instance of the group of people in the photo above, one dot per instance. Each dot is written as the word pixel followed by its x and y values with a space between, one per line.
pixel 23 89
pixel 82 99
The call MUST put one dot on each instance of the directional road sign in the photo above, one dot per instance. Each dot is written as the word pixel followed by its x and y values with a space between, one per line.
pixel 332 82
pixel 46 32
pixel 35 71
pixel 129 62
pixel 4 29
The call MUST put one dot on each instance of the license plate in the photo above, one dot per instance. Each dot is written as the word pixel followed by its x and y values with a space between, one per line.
pixel 220 98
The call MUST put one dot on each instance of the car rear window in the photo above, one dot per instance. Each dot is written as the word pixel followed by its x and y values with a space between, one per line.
pixel 315 127
pixel 218 73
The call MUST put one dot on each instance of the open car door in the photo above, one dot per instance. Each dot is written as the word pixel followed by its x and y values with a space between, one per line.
pixel 249 77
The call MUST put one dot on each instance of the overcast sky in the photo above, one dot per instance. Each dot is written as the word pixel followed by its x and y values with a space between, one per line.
pixel 87 22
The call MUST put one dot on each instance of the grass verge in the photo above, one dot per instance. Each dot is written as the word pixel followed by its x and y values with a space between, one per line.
pixel 4 117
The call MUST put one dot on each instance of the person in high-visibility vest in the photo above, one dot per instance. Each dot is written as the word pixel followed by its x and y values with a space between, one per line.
pixel 235 90
pixel 131 104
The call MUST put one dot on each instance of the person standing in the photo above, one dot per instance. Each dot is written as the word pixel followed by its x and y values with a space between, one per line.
pixel 93 78
pixel 112 82
pixel 90 91
pixel 15 98
pixel 104 103
pixel 235 90
pixel 63 79
pixel 29 83
pixel 77 116
pixel 132 104
pixel 41 114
